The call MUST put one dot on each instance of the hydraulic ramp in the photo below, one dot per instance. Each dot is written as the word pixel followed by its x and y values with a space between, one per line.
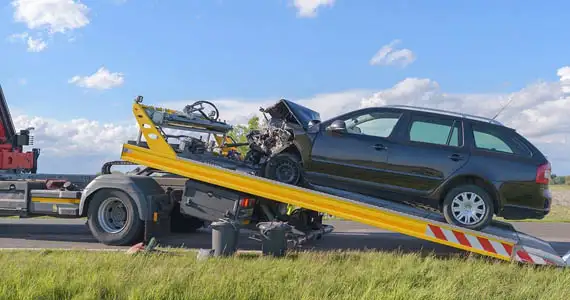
pixel 499 240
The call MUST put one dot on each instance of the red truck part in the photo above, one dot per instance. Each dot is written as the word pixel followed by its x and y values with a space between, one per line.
pixel 13 159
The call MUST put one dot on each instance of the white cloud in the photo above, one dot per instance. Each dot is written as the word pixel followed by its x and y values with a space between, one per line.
pixel 103 79
pixel 388 56
pixel 537 111
pixel 56 16
pixel 22 81
pixel 238 111
pixel 76 137
pixel 51 16
pixel 308 8
pixel 18 37
pixel 34 44
pixel 564 74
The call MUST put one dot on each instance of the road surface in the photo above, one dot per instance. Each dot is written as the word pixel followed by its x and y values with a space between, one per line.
pixel 74 234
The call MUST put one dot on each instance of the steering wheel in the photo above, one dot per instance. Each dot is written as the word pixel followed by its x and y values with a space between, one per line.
pixel 199 107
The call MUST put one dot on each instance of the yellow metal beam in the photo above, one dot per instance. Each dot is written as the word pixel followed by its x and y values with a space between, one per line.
pixel 378 217
pixel 149 130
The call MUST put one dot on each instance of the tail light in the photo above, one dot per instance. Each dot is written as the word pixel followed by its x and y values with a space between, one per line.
pixel 543 173
pixel 246 202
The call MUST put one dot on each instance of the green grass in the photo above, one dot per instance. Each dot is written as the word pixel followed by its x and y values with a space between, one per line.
pixel 562 187
pixel 328 275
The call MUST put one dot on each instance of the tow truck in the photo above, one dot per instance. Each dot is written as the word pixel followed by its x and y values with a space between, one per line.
pixel 192 182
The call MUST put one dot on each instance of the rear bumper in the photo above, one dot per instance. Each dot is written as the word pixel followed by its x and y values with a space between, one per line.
pixel 513 212
pixel 525 202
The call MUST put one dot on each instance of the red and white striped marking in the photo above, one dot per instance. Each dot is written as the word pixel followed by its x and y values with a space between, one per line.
pixel 468 240
pixel 526 257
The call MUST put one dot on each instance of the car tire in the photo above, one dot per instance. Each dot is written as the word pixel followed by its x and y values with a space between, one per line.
pixel 285 168
pixel 107 231
pixel 468 206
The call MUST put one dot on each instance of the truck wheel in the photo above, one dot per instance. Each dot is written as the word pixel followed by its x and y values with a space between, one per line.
pixel 468 206
pixel 113 218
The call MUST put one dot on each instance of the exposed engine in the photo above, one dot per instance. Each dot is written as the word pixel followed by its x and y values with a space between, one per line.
pixel 272 137
pixel 268 140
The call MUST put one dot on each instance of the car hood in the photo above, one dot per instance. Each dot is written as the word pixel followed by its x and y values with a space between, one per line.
pixel 293 112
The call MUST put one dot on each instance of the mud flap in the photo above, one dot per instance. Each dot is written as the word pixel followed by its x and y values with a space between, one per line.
pixel 157 225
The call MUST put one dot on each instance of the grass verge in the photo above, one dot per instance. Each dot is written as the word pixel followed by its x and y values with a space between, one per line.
pixel 326 275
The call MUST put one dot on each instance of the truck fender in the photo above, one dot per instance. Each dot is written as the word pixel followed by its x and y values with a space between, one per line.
pixel 140 188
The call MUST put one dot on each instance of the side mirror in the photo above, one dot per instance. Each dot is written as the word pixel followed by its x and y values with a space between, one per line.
pixel 337 126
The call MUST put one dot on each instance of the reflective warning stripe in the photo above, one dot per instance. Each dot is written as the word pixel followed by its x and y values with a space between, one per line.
pixel 468 240
pixel 525 257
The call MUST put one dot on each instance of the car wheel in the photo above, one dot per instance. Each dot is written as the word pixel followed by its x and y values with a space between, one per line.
pixel 113 218
pixel 468 206
pixel 284 167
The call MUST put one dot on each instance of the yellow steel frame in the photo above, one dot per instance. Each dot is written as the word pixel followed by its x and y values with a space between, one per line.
pixel 161 156
pixel 155 139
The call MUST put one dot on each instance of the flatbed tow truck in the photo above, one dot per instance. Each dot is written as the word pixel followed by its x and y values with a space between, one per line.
pixel 195 187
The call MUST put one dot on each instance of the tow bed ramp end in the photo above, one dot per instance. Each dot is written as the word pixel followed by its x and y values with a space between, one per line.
pixel 499 240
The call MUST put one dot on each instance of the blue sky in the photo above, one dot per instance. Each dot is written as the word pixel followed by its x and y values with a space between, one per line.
pixel 254 50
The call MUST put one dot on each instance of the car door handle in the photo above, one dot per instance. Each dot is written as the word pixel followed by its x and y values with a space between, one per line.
pixel 455 157
pixel 379 147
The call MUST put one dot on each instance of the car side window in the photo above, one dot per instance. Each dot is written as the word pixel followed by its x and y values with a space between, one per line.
pixel 435 131
pixel 379 124
pixel 491 142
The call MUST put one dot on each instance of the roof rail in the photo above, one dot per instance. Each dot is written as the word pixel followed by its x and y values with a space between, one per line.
pixel 435 110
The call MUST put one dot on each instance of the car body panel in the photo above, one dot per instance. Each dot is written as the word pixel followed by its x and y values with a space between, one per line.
pixel 420 167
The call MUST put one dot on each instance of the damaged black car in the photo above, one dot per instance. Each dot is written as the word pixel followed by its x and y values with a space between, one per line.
pixel 468 168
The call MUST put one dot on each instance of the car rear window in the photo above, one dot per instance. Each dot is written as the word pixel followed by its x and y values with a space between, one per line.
pixel 499 140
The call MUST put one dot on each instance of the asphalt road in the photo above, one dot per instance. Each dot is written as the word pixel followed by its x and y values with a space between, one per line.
pixel 74 234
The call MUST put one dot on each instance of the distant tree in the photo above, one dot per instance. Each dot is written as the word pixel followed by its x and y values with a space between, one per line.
pixel 558 179
pixel 239 132
pixel 253 123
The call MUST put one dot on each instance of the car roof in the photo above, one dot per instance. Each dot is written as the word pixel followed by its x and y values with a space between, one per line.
pixel 441 112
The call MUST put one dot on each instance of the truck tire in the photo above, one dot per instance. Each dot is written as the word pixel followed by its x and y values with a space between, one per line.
pixel 113 218
pixel 468 206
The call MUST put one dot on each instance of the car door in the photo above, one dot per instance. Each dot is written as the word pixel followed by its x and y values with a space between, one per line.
pixel 354 160
pixel 429 149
